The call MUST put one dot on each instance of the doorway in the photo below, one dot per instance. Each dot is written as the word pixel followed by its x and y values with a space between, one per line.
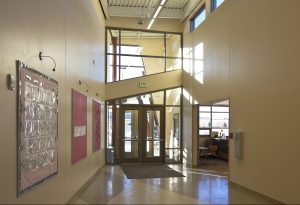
pixel 141 134
pixel 213 136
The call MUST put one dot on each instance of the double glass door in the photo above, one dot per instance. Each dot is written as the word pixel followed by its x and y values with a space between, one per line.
pixel 141 134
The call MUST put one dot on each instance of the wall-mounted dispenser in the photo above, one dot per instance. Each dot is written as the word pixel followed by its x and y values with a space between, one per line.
pixel 238 145
pixel 11 82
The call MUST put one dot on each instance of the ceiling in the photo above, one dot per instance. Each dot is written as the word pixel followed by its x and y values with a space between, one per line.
pixel 143 9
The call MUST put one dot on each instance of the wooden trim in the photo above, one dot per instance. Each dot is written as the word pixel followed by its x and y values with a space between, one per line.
pixel 102 10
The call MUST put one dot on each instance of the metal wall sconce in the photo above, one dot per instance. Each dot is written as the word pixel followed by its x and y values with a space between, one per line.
pixel 41 56
pixel 81 82
pixel 101 100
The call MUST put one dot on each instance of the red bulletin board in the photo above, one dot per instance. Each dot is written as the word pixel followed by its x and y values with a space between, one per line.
pixel 96 126
pixel 79 126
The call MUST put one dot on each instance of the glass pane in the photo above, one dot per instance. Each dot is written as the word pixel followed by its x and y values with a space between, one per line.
pixel 200 17
pixel 131 49
pixel 112 41
pixel 220 123
pixel 109 127
pixel 153 133
pixel 153 124
pixel 204 108
pixel 154 65
pixel 173 96
pixel 172 122
pixel 131 67
pixel 218 3
pixel 173 64
pixel 220 109
pixel 131 124
pixel 110 148
pixel 156 98
pixel 148 43
pixel 222 132
pixel 204 132
pixel 153 148
pixel 112 68
pixel 172 155
pixel 173 45
pixel 136 66
pixel 220 120
pixel 204 120
pixel 131 149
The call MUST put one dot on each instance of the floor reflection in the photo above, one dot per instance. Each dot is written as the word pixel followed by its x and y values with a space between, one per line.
pixel 198 187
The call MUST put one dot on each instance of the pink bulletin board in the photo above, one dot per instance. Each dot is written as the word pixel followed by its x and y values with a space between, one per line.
pixel 96 126
pixel 79 126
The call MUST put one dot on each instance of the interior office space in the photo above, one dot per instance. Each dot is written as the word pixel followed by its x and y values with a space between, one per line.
pixel 181 76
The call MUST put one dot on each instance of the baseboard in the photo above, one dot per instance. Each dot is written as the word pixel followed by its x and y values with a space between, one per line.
pixel 274 201
pixel 85 185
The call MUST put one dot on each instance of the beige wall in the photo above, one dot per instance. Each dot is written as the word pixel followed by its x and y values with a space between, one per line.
pixel 131 87
pixel 73 34
pixel 251 55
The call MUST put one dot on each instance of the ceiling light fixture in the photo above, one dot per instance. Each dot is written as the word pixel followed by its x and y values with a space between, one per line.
pixel 162 2
pixel 150 24
pixel 157 11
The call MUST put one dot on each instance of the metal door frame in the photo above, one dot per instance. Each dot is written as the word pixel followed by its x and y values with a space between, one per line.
pixel 142 131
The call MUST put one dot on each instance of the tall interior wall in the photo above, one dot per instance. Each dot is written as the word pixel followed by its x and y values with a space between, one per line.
pixel 251 56
pixel 72 32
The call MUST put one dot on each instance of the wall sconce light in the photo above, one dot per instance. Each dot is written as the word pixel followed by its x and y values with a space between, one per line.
pixel 101 97
pixel 41 56
pixel 81 82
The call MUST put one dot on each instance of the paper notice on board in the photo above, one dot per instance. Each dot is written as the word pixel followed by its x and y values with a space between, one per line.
pixel 79 131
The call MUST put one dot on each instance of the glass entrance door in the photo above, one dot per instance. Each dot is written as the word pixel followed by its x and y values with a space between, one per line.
pixel 130 135
pixel 141 134
pixel 154 135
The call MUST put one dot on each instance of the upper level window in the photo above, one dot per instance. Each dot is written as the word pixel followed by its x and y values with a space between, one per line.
pixel 198 18
pixel 136 53
pixel 215 4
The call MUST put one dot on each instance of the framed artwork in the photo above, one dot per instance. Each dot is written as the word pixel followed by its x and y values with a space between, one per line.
pixel 37 145
pixel 96 126
pixel 79 126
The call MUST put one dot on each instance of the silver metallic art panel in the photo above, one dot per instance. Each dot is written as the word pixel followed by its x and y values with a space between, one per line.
pixel 37 128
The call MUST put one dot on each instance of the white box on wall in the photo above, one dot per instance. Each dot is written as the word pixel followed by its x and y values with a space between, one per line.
pixel 238 145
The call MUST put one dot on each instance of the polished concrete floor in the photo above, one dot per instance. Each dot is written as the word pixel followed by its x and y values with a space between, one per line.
pixel 216 165
pixel 198 187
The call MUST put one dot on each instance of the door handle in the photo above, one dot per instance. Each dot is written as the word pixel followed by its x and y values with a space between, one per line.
pixel 131 140
pixel 161 140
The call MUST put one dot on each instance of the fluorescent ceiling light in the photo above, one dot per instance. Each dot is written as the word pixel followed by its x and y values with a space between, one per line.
pixel 162 2
pixel 150 24
pixel 157 11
